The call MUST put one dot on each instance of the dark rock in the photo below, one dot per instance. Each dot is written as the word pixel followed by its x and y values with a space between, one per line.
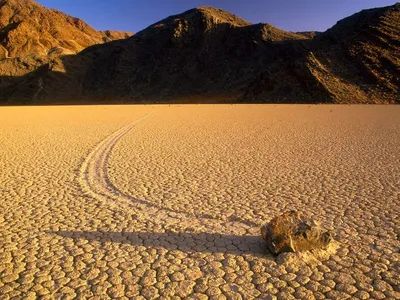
pixel 294 232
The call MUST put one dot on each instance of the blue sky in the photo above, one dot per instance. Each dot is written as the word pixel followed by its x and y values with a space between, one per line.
pixel 135 15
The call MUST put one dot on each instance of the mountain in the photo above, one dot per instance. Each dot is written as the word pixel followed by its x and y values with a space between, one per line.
pixel 204 52
pixel 359 57
pixel 28 28
pixel 209 55
pixel 31 36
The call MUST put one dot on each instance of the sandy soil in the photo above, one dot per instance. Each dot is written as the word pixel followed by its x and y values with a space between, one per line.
pixel 148 201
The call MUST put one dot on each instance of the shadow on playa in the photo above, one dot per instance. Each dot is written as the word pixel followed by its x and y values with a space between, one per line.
pixel 187 242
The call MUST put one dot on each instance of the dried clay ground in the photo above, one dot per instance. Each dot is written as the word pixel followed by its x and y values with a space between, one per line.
pixel 143 202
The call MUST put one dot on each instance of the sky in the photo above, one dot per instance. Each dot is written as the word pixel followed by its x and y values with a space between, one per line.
pixel 290 15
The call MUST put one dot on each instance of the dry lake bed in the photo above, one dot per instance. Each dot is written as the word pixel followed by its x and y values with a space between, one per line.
pixel 147 202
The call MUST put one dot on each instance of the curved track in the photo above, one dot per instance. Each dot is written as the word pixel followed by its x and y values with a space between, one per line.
pixel 95 181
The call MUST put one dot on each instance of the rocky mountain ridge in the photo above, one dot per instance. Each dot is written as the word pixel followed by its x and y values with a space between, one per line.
pixel 28 28
pixel 209 55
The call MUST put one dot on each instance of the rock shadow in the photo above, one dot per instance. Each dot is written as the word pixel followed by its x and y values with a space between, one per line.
pixel 188 242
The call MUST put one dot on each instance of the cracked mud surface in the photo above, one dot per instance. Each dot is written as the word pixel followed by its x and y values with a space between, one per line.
pixel 147 202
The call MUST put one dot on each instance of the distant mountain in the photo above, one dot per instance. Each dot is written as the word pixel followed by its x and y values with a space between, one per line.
pixel 209 55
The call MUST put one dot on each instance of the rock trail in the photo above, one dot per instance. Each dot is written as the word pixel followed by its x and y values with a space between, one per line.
pixel 94 179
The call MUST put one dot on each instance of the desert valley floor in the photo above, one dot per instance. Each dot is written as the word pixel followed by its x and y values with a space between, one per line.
pixel 143 202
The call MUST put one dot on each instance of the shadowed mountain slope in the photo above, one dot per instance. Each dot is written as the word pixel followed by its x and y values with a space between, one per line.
pixel 206 54
pixel 359 57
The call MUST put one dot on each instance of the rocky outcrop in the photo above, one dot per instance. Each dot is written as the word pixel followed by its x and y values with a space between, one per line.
pixel 294 232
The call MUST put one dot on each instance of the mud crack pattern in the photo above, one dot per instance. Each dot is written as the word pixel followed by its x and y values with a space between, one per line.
pixel 169 206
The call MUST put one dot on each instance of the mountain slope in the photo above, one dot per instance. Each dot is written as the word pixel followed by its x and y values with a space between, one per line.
pixel 28 28
pixel 32 39
pixel 206 54
pixel 358 59
pixel 211 54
